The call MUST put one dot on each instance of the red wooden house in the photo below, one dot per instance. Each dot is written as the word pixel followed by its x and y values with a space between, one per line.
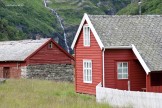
pixel 16 56
pixel 121 52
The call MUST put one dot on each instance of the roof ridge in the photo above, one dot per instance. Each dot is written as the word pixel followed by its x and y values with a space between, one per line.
pixel 20 41
pixel 125 15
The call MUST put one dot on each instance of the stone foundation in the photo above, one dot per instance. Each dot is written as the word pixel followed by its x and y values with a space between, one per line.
pixel 57 72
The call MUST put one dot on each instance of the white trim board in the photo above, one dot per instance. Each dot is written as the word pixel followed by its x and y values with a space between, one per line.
pixel 147 70
pixel 137 54
pixel 86 18
pixel 119 47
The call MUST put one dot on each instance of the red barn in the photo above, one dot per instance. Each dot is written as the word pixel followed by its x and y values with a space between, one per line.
pixel 17 57
pixel 121 52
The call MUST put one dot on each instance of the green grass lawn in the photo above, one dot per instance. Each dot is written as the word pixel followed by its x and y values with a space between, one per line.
pixel 25 93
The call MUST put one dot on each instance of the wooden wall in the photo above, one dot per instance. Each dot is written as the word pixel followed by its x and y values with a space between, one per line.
pixel 137 75
pixel 48 55
pixel 93 53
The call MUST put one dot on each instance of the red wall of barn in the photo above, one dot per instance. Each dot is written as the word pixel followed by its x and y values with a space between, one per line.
pixel 93 53
pixel 137 75
pixel 14 68
pixel 48 55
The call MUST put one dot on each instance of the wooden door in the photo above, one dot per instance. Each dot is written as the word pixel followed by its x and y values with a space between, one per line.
pixel 6 72
pixel 122 74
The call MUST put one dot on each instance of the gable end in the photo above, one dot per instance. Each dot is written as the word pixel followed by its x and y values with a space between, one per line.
pixel 86 18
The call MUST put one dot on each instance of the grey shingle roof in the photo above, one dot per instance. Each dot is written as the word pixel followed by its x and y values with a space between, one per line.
pixel 144 31
pixel 19 50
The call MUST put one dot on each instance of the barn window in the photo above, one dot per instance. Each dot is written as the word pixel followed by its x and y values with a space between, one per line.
pixel 87 71
pixel 122 70
pixel 50 45
pixel 86 35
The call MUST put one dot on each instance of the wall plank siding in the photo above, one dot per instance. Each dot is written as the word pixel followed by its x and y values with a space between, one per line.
pixel 93 53
pixel 49 56
pixel 137 75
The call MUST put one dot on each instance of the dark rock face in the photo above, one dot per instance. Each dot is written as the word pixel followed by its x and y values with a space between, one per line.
pixel 57 72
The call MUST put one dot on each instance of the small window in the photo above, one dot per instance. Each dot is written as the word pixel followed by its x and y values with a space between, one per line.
pixel 87 71
pixel 50 45
pixel 122 70
pixel 86 33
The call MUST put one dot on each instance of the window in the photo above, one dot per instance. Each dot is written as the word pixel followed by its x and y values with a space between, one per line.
pixel 50 45
pixel 87 71
pixel 122 70
pixel 86 35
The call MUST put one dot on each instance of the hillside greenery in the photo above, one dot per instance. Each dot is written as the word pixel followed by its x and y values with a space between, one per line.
pixel 147 7
pixel 21 19
pixel 27 93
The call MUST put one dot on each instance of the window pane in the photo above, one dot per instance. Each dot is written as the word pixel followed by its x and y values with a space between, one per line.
pixel 87 72
pixel 88 36
pixel 119 65
pixel 84 74
pixel 87 75
pixel 120 70
pixel 90 75
pixel 125 65
pixel 90 65
pixel 84 64
pixel 125 76
pixel 125 70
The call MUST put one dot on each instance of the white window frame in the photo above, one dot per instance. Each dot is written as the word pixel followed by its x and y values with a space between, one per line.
pixel 87 71
pixel 122 70
pixel 86 35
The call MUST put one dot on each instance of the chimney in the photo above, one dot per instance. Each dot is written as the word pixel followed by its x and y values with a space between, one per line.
pixel 38 37
pixel 139 6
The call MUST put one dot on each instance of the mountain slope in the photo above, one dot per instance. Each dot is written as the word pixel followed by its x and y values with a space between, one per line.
pixel 147 7
pixel 27 17
pixel 21 19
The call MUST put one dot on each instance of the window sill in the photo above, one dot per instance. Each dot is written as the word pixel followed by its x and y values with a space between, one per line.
pixel 123 79
pixel 87 82
pixel 87 46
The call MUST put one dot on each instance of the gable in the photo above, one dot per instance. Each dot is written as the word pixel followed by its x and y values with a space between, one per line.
pixel 50 53
pixel 86 19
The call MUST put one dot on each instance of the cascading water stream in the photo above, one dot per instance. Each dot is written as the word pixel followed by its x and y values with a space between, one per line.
pixel 60 21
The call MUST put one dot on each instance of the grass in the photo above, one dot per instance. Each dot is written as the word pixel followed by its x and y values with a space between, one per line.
pixel 25 93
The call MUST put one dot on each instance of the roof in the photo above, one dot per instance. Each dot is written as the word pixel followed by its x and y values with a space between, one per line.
pixel 19 50
pixel 143 31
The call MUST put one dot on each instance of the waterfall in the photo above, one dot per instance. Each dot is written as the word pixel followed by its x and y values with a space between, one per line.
pixel 61 24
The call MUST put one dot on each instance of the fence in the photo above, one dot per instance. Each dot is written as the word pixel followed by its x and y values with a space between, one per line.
pixel 122 98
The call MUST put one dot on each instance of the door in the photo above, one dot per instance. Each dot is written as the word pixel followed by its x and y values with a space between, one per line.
pixel 122 80
pixel 6 72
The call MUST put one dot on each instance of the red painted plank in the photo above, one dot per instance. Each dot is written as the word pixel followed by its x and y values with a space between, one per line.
pixel 95 54
pixel 137 75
